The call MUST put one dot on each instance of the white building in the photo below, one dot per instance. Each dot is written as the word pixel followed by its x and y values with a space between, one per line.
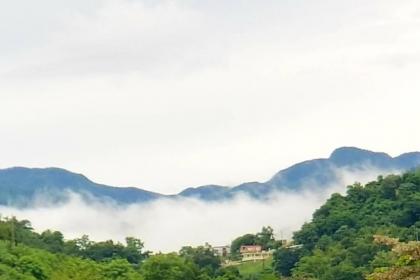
pixel 222 251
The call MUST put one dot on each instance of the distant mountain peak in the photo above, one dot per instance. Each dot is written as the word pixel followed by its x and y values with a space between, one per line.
pixel 349 150
pixel 347 156
pixel 20 185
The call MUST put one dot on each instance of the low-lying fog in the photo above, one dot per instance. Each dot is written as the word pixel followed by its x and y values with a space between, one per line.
pixel 167 225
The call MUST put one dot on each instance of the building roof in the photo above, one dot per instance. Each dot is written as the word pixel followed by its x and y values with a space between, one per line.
pixel 250 249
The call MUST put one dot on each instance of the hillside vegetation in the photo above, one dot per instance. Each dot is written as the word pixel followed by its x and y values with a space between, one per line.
pixel 261 269
pixel 338 244
pixel 27 255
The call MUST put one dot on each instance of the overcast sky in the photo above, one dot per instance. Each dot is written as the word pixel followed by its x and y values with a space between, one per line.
pixel 169 94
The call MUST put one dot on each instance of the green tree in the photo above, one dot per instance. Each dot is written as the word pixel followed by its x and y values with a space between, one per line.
pixel 407 265
pixel 338 243
pixel 284 260
pixel 133 250
pixel 119 269
pixel 229 273
pixel 265 238
pixel 204 257
pixel 247 239
pixel 168 267
pixel 53 241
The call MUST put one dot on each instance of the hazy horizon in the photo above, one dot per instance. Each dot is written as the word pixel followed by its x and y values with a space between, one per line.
pixel 165 95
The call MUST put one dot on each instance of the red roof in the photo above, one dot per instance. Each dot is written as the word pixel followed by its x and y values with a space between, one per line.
pixel 250 249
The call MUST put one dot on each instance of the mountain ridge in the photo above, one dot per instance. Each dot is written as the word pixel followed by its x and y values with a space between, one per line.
pixel 21 185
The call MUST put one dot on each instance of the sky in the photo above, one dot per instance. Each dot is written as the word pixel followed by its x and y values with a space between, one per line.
pixel 165 95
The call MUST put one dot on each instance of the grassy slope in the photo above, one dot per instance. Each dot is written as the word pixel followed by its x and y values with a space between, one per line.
pixel 260 268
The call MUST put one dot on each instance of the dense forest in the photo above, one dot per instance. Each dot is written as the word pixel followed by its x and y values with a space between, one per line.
pixel 26 254
pixel 338 244
pixel 370 233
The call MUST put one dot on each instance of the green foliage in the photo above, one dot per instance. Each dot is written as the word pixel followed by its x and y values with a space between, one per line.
pixel 284 260
pixel 338 242
pixel 27 255
pixel 247 239
pixel 168 267
pixel 204 257
pixel 257 270
pixel 21 232
pixel 405 261
pixel 108 250
pixel 229 273
pixel 119 269
pixel 52 240
pixel 22 262
pixel 265 238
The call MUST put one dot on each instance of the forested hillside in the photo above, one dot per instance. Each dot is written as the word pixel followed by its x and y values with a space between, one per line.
pixel 339 242
pixel 27 255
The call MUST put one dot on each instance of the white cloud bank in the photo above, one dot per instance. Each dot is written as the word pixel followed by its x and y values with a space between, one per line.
pixel 167 225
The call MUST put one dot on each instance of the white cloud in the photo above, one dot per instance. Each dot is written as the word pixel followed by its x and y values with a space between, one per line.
pixel 168 94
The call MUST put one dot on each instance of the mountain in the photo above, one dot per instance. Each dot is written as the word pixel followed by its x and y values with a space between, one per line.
pixel 20 186
pixel 314 173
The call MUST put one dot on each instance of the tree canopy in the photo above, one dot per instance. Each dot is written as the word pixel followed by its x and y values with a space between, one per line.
pixel 338 243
